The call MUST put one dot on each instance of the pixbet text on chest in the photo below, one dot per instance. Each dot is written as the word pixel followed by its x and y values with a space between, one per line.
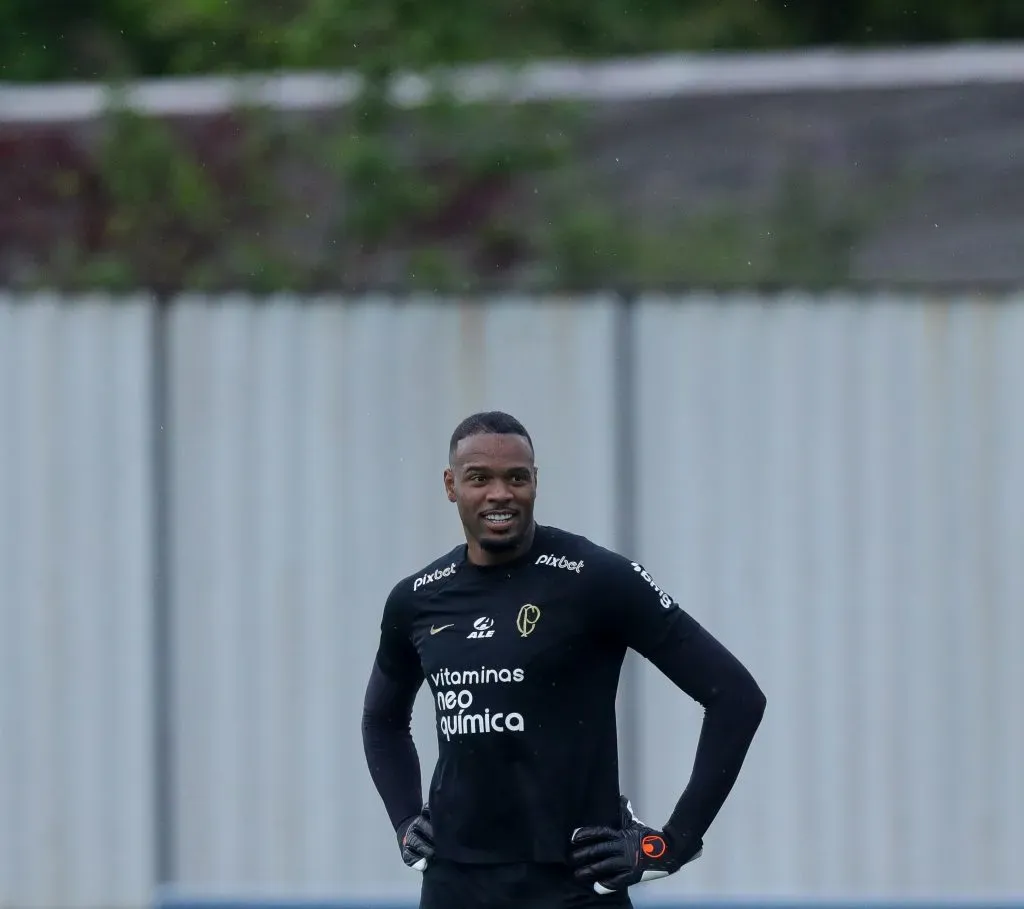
pixel 560 562
pixel 433 576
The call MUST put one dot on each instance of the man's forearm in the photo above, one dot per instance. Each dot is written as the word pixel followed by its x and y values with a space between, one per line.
pixel 730 721
pixel 391 755
pixel 733 704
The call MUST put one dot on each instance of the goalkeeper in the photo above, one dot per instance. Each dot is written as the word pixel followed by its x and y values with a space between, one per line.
pixel 520 634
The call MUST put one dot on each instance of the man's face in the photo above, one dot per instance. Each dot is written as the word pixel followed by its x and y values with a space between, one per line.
pixel 493 481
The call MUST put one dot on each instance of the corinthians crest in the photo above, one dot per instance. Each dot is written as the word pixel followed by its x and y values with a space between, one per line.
pixel 527 619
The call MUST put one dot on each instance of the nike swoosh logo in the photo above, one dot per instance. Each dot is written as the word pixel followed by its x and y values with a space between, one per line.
pixel 434 630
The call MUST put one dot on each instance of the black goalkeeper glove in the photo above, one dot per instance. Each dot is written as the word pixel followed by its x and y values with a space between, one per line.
pixel 614 859
pixel 416 839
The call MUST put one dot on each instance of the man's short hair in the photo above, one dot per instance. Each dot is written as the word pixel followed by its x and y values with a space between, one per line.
pixel 487 422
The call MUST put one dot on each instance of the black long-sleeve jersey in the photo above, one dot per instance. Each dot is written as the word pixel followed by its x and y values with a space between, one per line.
pixel 523 661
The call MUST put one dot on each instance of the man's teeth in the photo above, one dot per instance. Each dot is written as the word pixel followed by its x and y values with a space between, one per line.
pixel 498 518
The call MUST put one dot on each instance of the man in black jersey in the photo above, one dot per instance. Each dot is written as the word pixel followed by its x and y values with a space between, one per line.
pixel 520 634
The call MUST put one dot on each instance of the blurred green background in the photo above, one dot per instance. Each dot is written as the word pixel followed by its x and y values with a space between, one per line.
pixel 444 198
pixel 57 39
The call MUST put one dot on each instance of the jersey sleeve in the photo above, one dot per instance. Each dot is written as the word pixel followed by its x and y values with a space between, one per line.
pixel 396 655
pixel 391 691
pixel 642 616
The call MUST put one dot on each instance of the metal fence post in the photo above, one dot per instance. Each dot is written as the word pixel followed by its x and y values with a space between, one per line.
pixel 163 621
pixel 626 506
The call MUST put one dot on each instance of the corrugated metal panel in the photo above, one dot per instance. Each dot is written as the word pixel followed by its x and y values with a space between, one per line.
pixel 309 442
pixel 75 585
pixel 836 491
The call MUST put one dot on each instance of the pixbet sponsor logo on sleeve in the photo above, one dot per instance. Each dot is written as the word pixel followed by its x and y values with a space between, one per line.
pixel 665 599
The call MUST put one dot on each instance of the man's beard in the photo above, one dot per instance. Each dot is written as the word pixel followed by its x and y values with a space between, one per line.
pixel 501 544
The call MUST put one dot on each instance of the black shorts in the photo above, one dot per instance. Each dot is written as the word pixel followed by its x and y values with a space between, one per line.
pixel 447 885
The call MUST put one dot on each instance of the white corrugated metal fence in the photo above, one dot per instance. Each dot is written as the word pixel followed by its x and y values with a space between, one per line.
pixel 835 488
pixel 831 485
pixel 76 763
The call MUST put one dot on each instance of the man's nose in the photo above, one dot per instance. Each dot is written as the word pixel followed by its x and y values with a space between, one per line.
pixel 499 492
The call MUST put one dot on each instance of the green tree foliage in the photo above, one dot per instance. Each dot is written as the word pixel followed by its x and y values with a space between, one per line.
pixel 447 196
pixel 874 22
pixel 53 39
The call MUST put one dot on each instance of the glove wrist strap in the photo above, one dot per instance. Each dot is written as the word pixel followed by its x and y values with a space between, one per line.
pixel 681 845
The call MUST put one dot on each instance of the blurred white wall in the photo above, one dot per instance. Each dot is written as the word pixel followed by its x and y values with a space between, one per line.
pixel 836 488
pixel 833 486
pixel 76 585
pixel 309 441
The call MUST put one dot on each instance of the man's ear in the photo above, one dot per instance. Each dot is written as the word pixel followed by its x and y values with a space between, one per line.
pixel 449 484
